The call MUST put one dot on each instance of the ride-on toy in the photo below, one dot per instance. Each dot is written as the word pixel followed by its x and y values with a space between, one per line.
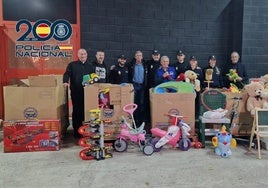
pixel 176 134
pixel 132 133
pixel 93 138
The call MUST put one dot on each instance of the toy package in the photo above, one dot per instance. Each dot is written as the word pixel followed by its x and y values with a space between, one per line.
pixel 25 136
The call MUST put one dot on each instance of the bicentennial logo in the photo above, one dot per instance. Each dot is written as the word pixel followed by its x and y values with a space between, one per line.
pixel 43 30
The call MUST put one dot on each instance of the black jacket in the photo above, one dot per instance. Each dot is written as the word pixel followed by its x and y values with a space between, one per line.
pixel 180 67
pixel 119 75
pixel 131 71
pixel 152 68
pixel 75 72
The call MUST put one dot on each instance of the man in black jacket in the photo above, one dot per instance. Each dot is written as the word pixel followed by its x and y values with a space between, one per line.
pixel 153 65
pixel 73 77
pixel 99 67
pixel 239 68
pixel 138 77
pixel 119 72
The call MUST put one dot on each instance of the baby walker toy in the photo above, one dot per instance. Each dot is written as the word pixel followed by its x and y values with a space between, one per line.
pixel 134 134
pixel 93 138
pixel 176 135
pixel 223 142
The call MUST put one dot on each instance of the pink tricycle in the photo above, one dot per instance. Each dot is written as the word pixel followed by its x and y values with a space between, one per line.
pixel 176 135
pixel 132 133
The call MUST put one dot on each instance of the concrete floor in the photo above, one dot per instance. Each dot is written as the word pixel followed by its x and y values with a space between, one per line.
pixel 167 169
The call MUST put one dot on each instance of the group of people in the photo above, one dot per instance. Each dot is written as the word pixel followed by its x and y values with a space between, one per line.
pixel 143 75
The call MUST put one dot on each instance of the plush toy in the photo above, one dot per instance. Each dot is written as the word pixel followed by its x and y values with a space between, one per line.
pixel 208 74
pixel 255 99
pixel 233 88
pixel 232 75
pixel 223 142
pixel 191 77
pixel 264 80
pixel 181 77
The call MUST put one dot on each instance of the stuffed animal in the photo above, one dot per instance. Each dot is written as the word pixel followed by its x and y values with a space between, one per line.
pixel 223 141
pixel 255 99
pixel 181 77
pixel 233 75
pixel 208 74
pixel 191 77
pixel 264 80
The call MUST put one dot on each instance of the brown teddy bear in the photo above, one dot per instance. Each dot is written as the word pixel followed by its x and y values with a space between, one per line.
pixel 255 100
pixel 191 77
pixel 264 80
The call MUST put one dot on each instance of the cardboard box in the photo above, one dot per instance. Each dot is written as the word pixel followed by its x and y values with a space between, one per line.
pixel 41 102
pixel 242 122
pixel 118 97
pixel 43 81
pixel 25 136
pixel 168 103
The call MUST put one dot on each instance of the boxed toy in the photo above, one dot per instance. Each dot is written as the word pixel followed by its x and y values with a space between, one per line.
pixel 25 136
pixel 167 103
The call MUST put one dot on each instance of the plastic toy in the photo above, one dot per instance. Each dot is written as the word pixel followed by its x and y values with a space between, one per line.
pixel 93 138
pixel 104 97
pixel 90 79
pixel 134 134
pixel 223 142
pixel 176 135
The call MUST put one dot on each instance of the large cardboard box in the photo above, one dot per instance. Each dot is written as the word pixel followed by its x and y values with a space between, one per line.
pixel 118 97
pixel 242 122
pixel 24 136
pixel 36 102
pixel 168 103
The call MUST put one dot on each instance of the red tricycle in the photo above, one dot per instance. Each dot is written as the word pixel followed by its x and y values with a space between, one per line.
pixel 176 134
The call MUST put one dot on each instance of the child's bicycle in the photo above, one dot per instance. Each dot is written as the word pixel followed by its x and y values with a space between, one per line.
pixel 132 133
pixel 176 135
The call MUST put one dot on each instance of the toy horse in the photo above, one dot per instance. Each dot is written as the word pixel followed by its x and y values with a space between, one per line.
pixel 223 142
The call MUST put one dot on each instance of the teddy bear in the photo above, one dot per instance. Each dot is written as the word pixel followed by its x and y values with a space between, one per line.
pixel 255 100
pixel 191 77
pixel 264 80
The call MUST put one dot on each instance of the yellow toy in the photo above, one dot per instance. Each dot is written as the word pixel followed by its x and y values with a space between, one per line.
pixel 233 88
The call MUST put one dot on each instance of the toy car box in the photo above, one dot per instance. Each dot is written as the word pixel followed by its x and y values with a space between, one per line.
pixel 26 136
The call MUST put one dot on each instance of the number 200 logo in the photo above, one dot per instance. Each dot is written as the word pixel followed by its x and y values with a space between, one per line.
pixel 43 30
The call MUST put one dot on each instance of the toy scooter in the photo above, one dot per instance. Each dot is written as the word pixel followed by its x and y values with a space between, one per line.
pixel 176 135
pixel 134 134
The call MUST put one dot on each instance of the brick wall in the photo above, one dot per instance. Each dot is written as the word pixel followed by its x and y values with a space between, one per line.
pixel 255 37
pixel 199 27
